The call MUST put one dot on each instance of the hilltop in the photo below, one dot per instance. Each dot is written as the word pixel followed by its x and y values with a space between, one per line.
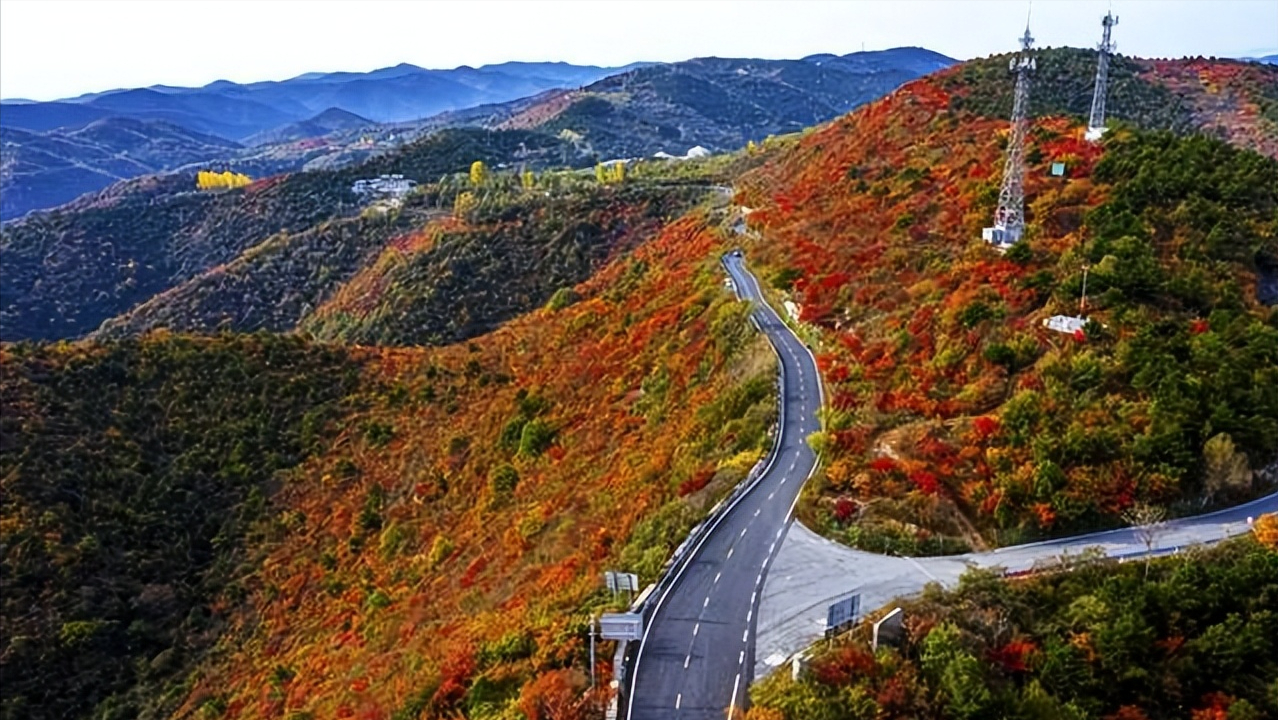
pixel 956 419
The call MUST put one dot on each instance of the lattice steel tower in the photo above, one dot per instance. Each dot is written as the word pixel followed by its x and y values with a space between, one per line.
pixel 1096 124
pixel 1009 219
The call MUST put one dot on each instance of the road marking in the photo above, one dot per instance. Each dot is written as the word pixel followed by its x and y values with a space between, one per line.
pixel 736 685
pixel 753 595
pixel 707 602
pixel 745 636
pixel 772 548
pixel 716 577
pixel 679 697
pixel 729 552
pixel 772 494
pixel 686 661
pixel 741 658
pixel 756 514
pixel 744 529
pixel 750 615
pixel 696 629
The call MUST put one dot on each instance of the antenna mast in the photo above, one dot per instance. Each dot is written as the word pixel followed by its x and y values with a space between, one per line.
pixel 1096 124
pixel 1009 219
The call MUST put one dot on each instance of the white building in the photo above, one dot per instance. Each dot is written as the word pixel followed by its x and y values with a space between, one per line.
pixel 1068 324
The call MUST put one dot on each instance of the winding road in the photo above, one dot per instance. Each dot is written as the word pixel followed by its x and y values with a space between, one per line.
pixel 697 656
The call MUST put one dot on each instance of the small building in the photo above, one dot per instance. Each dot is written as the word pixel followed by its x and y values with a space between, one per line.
pixel 385 186
pixel 1058 169
pixel 1068 324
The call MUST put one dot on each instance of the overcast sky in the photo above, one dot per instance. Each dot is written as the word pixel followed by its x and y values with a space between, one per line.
pixel 61 48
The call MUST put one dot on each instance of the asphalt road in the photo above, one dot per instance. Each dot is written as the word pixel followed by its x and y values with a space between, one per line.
pixel 809 572
pixel 697 655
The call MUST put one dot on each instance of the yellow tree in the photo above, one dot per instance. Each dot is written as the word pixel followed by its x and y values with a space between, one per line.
pixel 464 204
pixel 478 172
pixel 1266 529
pixel 601 173
pixel 527 179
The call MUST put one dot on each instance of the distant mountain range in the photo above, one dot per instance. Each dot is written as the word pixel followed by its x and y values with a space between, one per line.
pixel 46 160
pixel 327 120
pixel 235 111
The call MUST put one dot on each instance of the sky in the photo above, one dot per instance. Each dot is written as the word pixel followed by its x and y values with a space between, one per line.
pixel 61 48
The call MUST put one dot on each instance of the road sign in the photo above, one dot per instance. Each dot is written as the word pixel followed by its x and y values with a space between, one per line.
pixel 841 615
pixel 621 582
pixel 621 626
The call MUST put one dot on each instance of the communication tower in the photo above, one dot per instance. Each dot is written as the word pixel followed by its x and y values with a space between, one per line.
pixel 1009 219
pixel 1096 123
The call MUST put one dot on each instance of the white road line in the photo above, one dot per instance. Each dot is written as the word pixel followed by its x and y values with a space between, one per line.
pixel 772 494
pixel 756 514
pixel 736 685
pixel 743 532
pixel 745 636
pixel 686 661
pixel 696 629
pixel 679 698
pixel 741 658
pixel 729 552
pixel 716 577
pixel 707 602
pixel 753 595
pixel 750 615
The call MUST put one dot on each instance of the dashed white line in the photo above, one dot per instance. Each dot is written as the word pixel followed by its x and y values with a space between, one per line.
pixel 729 552
pixel 753 595
pixel 743 532
pixel 707 602
pixel 686 661
pixel 679 698
pixel 745 636
pixel 741 658
pixel 772 494
pixel 750 615
pixel 756 514
pixel 716 577
pixel 696 629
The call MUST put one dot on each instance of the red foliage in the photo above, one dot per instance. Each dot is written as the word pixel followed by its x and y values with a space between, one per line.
pixel 842 666
pixel 1013 656
pixel 696 482
pixel 1198 327
pixel 1215 707
pixel 883 464
pixel 1127 712
pixel 925 481
pixel 984 426
pixel 844 509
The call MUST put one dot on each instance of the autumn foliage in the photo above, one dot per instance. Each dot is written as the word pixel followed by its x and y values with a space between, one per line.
pixel 956 418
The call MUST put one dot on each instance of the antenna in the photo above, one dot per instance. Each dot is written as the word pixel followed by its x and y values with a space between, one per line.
pixel 1009 219
pixel 1096 122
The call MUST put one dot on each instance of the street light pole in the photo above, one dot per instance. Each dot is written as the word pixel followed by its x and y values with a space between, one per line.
pixel 592 650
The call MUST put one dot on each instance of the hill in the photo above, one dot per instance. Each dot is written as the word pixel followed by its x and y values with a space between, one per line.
pixel 68 270
pixel 421 534
pixel 39 170
pixel 331 120
pixel 955 415
pixel 718 103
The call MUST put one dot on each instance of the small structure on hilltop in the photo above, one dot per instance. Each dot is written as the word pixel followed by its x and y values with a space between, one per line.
pixel 1096 123
pixel 1009 219
pixel 393 187
pixel 1071 324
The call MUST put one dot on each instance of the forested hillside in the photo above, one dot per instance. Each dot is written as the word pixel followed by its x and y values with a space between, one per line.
pixel 954 413
pixel 420 533
pixel 1191 637
pixel 70 269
